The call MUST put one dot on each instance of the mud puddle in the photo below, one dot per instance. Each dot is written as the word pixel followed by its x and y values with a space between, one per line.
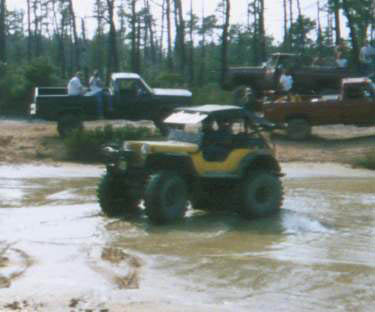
pixel 58 253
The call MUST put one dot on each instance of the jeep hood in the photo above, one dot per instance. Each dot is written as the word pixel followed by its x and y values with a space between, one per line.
pixel 163 146
pixel 172 92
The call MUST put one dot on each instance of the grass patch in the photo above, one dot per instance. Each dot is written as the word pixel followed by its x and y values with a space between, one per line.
pixel 367 160
pixel 86 145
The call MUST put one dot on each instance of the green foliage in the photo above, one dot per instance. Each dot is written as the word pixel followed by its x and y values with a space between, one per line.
pixel 13 88
pixel 211 94
pixel 366 161
pixel 166 79
pixel 86 145
pixel 17 83
pixel 39 73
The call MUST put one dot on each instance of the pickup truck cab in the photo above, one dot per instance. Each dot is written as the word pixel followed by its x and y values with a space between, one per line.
pixel 354 105
pixel 128 97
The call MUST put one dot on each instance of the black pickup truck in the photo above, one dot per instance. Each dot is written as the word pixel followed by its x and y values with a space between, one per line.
pixel 128 97
pixel 308 78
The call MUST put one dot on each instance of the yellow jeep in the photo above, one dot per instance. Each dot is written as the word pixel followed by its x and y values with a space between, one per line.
pixel 215 156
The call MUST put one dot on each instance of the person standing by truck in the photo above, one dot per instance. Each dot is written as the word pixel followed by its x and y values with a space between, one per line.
pixel 341 54
pixel 285 81
pixel 367 58
pixel 75 87
pixel 96 89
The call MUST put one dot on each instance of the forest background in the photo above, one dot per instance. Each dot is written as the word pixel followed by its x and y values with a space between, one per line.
pixel 44 43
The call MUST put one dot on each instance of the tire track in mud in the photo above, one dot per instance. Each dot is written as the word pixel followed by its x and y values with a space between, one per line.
pixel 13 264
pixel 119 267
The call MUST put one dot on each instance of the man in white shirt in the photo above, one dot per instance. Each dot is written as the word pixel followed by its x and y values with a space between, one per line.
pixel 75 87
pixel 286 81
pixel 367 58
pixel 96 89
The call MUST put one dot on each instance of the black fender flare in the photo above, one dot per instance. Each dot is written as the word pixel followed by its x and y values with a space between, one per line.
pixel 257 162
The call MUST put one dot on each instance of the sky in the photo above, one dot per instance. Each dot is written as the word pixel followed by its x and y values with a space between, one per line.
pixel 273 15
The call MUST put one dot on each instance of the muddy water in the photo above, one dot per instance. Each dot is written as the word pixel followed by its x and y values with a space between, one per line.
pixel 57 252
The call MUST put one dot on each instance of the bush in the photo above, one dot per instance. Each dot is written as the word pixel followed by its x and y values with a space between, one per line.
pixel 17 83
pixel 86 145
pixel 39 73
pixel 366 161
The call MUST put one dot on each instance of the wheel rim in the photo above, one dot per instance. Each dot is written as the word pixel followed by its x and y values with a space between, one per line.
pixel 262 194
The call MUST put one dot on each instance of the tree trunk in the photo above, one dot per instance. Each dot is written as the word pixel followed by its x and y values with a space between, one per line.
pixel 29 33
pixel 202 66
pixel 149 28
pixel 224 47
pixel 84 52
pixel 113 64
pixel 353 33
pixel 336 9
pixel 99 51
pixel 285 23
pixel 302 27
pixel 291 13
pixel 262 32
pixel 191 53
pixel 180 35
pixel 134 57
pixel 3 39
pixel 169 36
pixel 76 47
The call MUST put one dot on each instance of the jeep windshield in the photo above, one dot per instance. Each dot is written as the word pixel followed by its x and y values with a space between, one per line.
pixel 184 126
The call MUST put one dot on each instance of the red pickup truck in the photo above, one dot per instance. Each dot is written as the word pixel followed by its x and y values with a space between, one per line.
pixel 354 105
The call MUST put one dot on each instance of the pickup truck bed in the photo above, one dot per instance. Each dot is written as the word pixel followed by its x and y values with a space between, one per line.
pixel 355 105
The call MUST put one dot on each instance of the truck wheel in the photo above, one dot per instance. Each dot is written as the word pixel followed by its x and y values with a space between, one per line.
pixel 68 123
pixel 114 199
pixel 298 129
pixel 244 96
pixel 261 195
pixel 166 197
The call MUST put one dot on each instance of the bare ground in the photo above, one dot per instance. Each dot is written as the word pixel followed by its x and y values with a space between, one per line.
pixel 22 141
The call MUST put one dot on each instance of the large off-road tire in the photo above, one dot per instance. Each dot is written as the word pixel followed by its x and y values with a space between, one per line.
pixel 298 129
pixel 261 194
pixel 68 123
pixel 114 198
pixel 166 197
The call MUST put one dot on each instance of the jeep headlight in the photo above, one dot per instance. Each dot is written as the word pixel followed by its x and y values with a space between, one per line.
pixel 145 149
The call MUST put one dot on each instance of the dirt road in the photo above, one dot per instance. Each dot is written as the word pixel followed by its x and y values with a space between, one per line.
pixel 22 141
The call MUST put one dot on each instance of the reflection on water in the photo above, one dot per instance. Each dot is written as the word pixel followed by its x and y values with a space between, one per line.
pixel 317 254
